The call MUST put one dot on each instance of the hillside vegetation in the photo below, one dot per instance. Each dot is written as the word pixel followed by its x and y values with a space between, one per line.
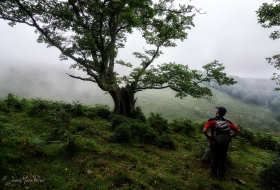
pixel 58 145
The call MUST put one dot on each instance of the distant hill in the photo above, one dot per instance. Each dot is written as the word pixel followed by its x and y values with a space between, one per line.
pixel 252 116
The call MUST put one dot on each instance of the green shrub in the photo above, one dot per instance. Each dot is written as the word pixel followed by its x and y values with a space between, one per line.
pixel 13 102
pixel 183 126
pixel 199 125
pixel 91 113
pixel 3 106
pixel 2 132
pixel 269 176
pixel 122 133
pixel 138 114
pixel 143 132
pixel 265 141
pixel 117 120
pixel 103 111
pixel 77 109
pixel 246 135
pixel 157 122
pixel 166 142
pixel 38 107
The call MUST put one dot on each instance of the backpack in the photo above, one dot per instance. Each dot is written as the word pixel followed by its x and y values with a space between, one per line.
pixel 222 132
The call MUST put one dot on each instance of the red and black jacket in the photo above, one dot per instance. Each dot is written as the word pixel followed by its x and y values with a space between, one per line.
pixel 211 124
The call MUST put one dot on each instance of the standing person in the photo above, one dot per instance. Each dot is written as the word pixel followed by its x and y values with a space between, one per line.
pixel 219 138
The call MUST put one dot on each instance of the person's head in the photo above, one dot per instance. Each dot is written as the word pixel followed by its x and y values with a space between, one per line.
pixel 221 111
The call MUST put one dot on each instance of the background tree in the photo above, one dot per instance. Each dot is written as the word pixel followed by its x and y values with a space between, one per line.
pixel 90 32
pixel 269 16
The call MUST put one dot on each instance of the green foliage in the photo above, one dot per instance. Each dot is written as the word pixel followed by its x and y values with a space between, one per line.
pixel 206 158
pixel 91 112
pixel 158 123
pixel 2 132
pixel 166 142
pixel 122 133
pixel 265 141
pixel 77 109
pixel 138 114
pixel 269 176
pixel 38 107
pixel 184 126
pixel 117 120
pixel 143 133
pixel 246 135
pixel 13 102
pixel 3 106
pixel 81 150
pixel 268 16
pixel 103 111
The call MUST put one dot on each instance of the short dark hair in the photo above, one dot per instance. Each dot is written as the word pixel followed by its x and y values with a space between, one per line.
pixel 222 110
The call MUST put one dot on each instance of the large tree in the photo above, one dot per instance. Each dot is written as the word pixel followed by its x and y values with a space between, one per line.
pixel 269 16
pixel 91 32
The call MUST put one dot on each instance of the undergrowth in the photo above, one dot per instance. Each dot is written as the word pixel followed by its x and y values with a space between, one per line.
pixel 57 145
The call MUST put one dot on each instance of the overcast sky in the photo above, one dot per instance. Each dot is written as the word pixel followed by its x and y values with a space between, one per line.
pixel 228 32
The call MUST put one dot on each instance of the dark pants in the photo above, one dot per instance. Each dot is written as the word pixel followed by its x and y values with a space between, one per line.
pixel 218 159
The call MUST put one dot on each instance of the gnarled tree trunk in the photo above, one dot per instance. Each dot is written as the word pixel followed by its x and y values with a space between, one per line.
pixel 124 100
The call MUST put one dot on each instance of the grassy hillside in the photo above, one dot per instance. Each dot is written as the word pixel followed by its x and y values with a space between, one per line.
pixel 250 115
pixel 56 145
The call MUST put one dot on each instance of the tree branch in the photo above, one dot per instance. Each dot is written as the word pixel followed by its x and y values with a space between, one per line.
pixel 14 20
pixel 151 87
pixel 84 79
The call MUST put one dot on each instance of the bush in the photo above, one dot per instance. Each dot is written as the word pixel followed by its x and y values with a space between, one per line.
pixel 38 108
pixel 143 132
pixel 269 176
pixel 183 126
pixel 138 114
pixel 265 141
pixel 103 111
pixel 3 106
pixel 12 102
pixel 122 133
pixel 77 109
pixel 199 125
pixel 158 123
pixel 246 135
pixel 164 141
pixel 117 120
pixel 91 113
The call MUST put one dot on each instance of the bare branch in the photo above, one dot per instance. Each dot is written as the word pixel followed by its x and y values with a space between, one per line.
pixel 84 79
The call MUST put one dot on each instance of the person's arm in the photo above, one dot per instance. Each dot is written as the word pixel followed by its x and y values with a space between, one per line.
pixel 205 132
pixel 235 133
pixel 235 129
pixel 207 126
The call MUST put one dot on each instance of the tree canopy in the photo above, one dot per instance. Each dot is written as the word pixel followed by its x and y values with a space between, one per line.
pixel 269 16
pixel 91 32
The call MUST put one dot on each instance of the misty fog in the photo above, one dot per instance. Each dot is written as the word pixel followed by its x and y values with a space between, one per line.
pixel 228 32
